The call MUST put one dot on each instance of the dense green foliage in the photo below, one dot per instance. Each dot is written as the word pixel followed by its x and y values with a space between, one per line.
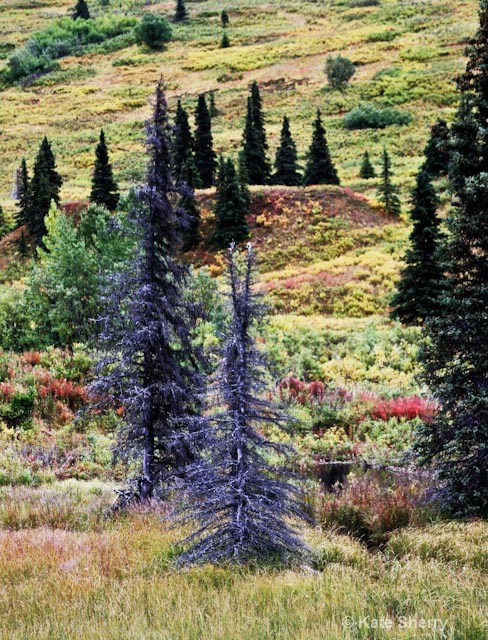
pixel 437 151
pixel 81 10
pixel 421 280
pixel 388 192
pixel 44 189
pixel 368 116
pixel 23 195
pixel 319 168
pixel 455 358
pixel 224 42
pixel 254 139
pixel 287 170
pixel 339 71
pixel 66 37
pixel 66 285
pixel 153 30
pixel 205 159
pixel 104 189
pixel 181 12
pixel 230 210
pixel 367 170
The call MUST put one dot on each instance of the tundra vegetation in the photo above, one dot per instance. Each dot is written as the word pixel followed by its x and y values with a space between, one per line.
pixel 243 355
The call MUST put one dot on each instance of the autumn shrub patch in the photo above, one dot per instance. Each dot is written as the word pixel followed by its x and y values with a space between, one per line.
pixel 373 505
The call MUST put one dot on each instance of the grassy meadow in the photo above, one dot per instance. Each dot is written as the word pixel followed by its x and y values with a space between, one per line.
pixel 407 55
pixel 66 577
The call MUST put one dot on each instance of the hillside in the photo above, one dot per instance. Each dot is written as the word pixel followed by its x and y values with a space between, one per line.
pixel 406 54
pixel 321 250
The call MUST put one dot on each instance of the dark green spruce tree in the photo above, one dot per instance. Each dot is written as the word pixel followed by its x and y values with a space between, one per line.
pixel 181 12
pixel 224 18
pixel 188 203
pixel 455 356
pixel 224 42
pixel 230 210
pixel 367 170
pixel 23 196
pixel 183 144
pixel 104 190
pixel 81 11
pixel 437 151
pixel 421 280
pixel 44 188
pixel 387 192
pixel 214 112
pixel 254 140
pixel 287 171
pixel 205 159
pixel 319 168
pixel 243 179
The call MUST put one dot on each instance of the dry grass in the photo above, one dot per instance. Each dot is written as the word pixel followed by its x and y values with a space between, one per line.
pixel 119 582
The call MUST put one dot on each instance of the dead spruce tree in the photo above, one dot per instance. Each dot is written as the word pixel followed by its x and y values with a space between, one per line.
pixel 150 368
pixel 239 497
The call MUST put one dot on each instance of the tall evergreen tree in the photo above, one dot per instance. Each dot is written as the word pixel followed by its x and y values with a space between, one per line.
pixel 181 12
pixel 242 501
pixel 23 195
pixel 224 42
pixel 421 281
pixel 44 189
pixel 387 192
pixel 367 170
pixel 224 18
pixel 81 11
pixel 287 170
pixel 437 151
pixel 230 210
pixel 254 140
pixel 205 159
pixel 243 177
pixel 188 203
pixel 257 115
pixel 151 368
pixel 319 168
pixel 104 190
pixel 22 244
pixel 455 357
pixel 214 112
pixel 183 145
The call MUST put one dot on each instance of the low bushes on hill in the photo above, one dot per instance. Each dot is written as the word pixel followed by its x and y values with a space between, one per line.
pixel 367 116
pixel 67 37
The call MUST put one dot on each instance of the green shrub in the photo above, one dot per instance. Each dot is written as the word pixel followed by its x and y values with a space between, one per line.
pixel 153 30
pixel 383 36
pixel 16 331
pixel 67 37
pixel 367 116
pixel 17 412
pixel 339 71
pixel 364 3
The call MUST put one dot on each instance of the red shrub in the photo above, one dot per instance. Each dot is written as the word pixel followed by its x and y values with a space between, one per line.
pixel 408 408
pixel 31 357
pixel 5 390
pixel 61 389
